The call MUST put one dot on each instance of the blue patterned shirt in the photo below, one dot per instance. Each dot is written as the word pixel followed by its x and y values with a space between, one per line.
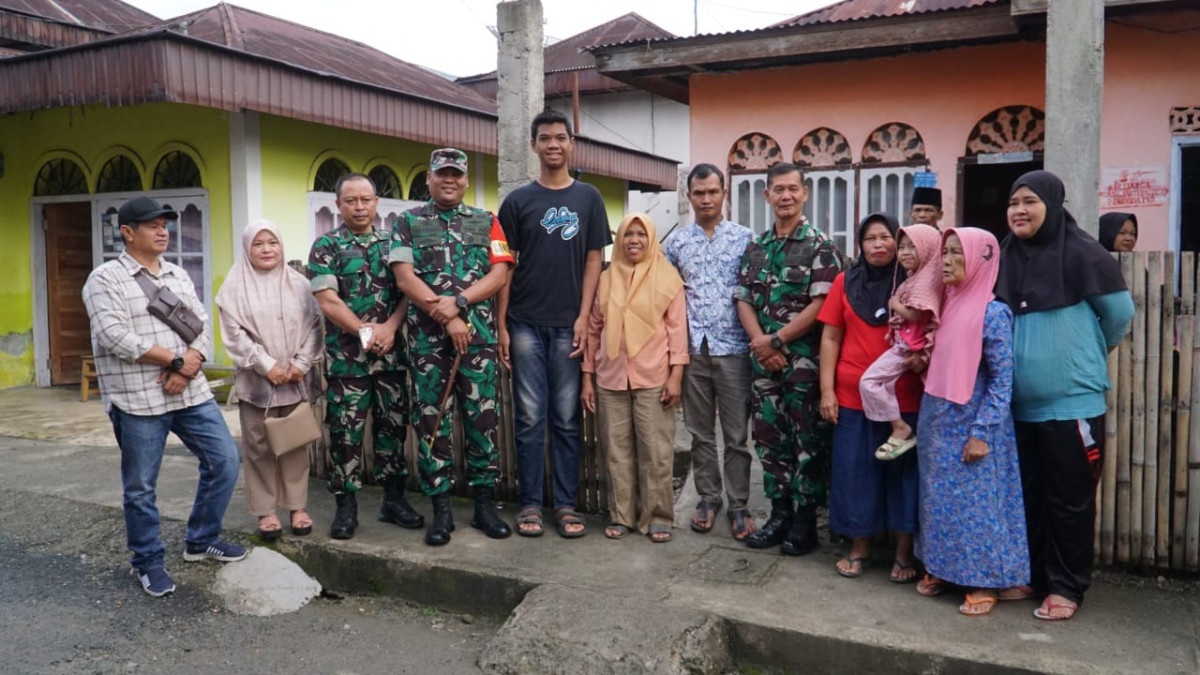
pixel 709 268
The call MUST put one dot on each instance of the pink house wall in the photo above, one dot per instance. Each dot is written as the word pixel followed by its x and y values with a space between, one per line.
pixel 943 94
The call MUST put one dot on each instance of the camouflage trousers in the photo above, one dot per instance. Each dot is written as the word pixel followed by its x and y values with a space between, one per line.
pixel 791 439
pixel 475 394
pixel 385 397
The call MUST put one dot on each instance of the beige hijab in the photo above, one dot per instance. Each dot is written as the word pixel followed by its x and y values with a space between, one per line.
pixel 274 306
pixel 634 298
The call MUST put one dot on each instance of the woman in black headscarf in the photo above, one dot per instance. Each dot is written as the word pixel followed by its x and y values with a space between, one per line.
pixel 867 496
pixel 1118 231
pixel 1071 307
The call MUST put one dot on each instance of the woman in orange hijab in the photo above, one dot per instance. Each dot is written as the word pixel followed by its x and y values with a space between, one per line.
pixel 632 375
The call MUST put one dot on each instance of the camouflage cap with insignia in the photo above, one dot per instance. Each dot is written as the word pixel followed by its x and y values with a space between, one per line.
pixel 448 158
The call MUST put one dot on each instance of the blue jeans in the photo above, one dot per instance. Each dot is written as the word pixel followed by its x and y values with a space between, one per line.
pixel 542 364
pixel 141 439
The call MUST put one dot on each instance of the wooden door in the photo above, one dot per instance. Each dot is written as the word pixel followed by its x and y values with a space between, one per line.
pixel 68 263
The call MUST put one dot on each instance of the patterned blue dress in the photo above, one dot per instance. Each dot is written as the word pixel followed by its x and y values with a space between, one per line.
pixel 972 516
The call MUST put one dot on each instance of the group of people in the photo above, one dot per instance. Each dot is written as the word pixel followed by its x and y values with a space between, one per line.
pixel 945 387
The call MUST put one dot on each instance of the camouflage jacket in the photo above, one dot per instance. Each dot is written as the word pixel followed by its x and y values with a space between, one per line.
pixel 450 250
pixel 356 266
pixel 779 277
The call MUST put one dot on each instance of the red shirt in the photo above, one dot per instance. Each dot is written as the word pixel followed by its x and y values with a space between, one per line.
pixel 862 343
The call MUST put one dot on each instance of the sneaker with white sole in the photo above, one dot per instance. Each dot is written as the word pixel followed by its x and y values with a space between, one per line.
pixel 155 582
pixel 217 550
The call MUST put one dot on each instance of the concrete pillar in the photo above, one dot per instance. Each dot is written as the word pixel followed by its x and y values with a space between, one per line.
pixel 245 174
pixel 1074 92
pixel 521 95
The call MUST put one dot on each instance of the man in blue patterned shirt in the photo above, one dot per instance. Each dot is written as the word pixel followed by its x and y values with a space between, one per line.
pixel 717 381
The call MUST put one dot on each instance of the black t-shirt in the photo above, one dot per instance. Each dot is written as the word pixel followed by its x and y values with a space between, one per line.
pixel 551 231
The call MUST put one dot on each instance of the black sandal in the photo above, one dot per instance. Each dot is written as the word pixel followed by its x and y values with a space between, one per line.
pixel 530 515
pixel 569 516
pixel 741 523
pixel 708 514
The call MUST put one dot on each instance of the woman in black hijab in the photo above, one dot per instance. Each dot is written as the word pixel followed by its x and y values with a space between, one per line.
pixel 1118 232
pixel 1071 307
pixel 866 496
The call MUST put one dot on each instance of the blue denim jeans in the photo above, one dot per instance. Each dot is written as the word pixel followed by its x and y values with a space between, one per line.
pixel 545 379
pixel 142 439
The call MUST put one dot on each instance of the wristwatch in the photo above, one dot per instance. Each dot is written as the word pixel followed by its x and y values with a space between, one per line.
pixel 776 343
pixel 177 362
pixel 461 301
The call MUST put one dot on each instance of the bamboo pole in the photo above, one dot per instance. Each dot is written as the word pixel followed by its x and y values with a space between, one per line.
pixel 1183 407
pixel 1125 390
pixel 1166 408
pixel 1153 364
pixel 1192 539
pixel 1106 513
pixel 1137 459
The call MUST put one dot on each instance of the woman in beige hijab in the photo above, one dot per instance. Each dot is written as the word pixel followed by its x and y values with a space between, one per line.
pixel 271 328
pixel 632 374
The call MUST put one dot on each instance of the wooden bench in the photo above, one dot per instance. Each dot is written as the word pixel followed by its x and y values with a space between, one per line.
pixel 89 380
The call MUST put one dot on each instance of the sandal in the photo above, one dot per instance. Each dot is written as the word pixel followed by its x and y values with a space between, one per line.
pixel 1047 611
pixel 898 575
pixel 1021 592
pixel 616 531
pixel 977 603
pixel 302 523
pixel 705 516
pixel 741 523
pixel 568 516
pixel 530 515
pixel 931 586
pixel 862 561
pixel 269 527
pixel 659 533
pixel 894 447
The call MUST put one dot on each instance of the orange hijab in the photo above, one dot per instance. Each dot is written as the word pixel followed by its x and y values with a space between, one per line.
pixel 634 298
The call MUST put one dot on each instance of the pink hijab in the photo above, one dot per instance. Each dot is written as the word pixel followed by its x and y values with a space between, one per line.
pixel 959 338
pixel 923 288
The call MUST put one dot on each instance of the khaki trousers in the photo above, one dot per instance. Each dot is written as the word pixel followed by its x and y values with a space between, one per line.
pixel 271 482
pixel 638 436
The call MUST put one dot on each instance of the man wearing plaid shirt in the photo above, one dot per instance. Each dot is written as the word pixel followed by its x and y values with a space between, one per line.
pixel 151 384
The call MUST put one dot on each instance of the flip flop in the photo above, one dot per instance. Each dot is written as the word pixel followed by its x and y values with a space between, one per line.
pixel 863 563
pixel 1046 611
pixel 1021 592
pixel 977 604
pixel 705 513
pixel 894 447
pixel 741 523
pixel 616 531
pixel 931 586
pixel 901 567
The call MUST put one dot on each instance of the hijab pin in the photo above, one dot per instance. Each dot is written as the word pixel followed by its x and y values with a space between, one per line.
pixel 1024 304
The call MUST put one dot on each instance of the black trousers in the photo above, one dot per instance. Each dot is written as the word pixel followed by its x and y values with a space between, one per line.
pixel 1061 462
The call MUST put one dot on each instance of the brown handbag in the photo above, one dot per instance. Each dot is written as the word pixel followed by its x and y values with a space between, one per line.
pixel 294 430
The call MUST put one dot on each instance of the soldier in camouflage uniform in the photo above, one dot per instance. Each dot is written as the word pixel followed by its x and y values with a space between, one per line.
pixel 784 276
pixel 450 259
pixel 348 270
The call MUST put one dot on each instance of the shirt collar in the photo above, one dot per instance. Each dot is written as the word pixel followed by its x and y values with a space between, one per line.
pixel 132 266
pixel 433 210
pixel 803 231
pixel 346 235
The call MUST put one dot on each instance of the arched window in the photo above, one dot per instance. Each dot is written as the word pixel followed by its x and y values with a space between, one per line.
pixel 749 159
pixel 824 154
pixel 119 174
pixel 176 169
pixel 328 174
pixel 60 176
pixel 418 191
pixel 892 156
pixel 387 184
pixel 1014 128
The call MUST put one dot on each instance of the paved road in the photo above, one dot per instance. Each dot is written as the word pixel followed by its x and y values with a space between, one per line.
pixel 66 612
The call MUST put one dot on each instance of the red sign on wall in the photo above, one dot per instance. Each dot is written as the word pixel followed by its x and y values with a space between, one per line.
pixel 1134 187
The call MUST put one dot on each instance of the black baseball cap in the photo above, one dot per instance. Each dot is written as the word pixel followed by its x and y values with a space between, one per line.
pixel 141 210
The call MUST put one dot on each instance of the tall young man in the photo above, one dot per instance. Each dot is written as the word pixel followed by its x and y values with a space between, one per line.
pixel 717 380
pixel 557 228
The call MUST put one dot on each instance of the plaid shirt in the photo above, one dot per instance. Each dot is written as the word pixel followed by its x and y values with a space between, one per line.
pixel 123 331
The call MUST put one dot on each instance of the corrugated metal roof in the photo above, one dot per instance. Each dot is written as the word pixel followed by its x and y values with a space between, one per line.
pixel 853 10
pixel 111 16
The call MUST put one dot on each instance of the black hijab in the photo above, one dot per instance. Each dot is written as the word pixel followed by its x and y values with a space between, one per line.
pixel 1110 227
pixel 868 287
pixel 1058 266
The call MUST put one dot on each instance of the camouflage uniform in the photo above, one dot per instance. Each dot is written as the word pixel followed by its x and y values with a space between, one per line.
pixel 779 278
pixel 451 250
pixel 356 267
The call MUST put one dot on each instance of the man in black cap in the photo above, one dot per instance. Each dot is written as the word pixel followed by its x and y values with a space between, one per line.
pixel 926 207
pixel 151 384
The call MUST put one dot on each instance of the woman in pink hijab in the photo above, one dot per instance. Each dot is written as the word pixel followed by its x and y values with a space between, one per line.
pixel 270 325
pixel 972 515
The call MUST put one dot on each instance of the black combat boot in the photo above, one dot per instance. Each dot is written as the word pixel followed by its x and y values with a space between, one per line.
pixel 776 528
pixel 442 523
pixel 803 536
pixel 485 518
pixel 346 517
pixel 395 508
